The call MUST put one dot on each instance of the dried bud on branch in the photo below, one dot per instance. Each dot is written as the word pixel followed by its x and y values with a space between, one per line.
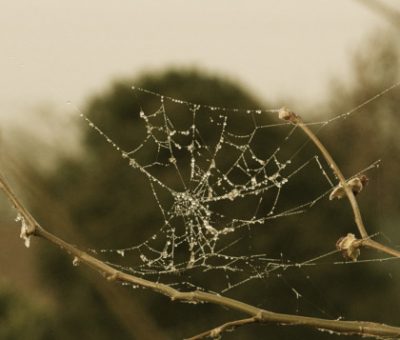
pixel 348 246
pixel 356 184
pixel 286 114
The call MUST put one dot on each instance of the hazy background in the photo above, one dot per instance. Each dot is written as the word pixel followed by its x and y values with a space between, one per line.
pixel 322 57
pixel 58 51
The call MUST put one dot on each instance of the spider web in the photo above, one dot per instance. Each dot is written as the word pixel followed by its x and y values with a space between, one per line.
pixel 204 164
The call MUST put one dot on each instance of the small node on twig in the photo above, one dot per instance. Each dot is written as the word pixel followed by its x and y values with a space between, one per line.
pixel 286 114
pixel 356 184
pixel 258 316
pixel 75 261
pixel 26 232
pixel 216 333
pixel 112 277
pixel 349 246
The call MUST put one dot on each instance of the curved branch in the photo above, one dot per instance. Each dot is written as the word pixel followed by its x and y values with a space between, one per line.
pixel 338 172
pixel 365 240
pixel 361 328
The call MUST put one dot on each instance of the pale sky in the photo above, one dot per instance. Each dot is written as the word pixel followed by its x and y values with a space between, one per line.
pixel 55 51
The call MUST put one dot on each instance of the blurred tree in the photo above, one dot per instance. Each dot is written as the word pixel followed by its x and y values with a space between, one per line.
pixel 371 132
pixel 21 318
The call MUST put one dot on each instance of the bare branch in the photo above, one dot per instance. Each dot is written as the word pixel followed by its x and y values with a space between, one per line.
pixel 362 328
pixel 338 172
pixel 365 241
pixel 368 243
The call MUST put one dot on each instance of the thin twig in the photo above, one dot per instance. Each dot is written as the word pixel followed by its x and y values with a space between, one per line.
pixel 368 243
pixel 226 327
pixel 362 328
pixel 338 172
pixel 365 239
pixel 30 221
